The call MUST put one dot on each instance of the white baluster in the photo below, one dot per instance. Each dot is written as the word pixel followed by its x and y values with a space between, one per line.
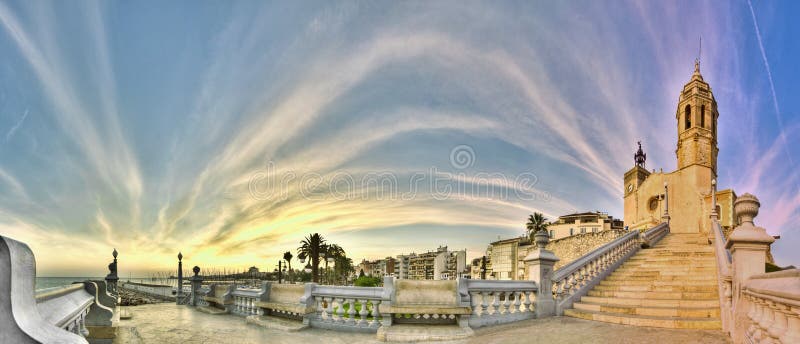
pixel 506 303
pixel 474 303
pixel 351 320
pixel 484 304
pixel 779 325
pixel 331 315
pixel 375 312
pixel 792 334
pixel 340 313
pixel 363 313
pixel 495 303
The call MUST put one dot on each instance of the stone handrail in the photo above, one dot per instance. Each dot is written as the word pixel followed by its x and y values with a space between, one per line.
pixel 346 308
pixel 54 315
pixel 499 302
pixel 724 277
pixel 163 292
pixel 65 307
pixel 575 279
pixel 773 307
pixel 653 235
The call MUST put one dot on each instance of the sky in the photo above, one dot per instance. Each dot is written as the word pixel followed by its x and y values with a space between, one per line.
pixel 228 131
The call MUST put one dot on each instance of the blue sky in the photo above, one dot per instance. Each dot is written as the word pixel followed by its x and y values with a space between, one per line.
pixel 155 128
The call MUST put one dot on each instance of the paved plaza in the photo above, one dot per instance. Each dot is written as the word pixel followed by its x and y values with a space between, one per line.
pixel 168 323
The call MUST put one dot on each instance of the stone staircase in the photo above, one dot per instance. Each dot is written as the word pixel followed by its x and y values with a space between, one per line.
pixel 671 285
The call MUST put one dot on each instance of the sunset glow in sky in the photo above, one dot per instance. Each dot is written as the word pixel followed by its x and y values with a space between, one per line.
pixel 230 130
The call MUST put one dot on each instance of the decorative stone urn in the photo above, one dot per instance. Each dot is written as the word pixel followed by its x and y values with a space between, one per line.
pixel 746 208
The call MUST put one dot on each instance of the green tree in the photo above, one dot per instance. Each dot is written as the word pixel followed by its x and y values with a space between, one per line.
pixel 536 222
pixel 332 252
pixel 312 247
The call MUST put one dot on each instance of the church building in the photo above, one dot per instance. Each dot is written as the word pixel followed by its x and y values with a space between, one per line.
pixel 683 196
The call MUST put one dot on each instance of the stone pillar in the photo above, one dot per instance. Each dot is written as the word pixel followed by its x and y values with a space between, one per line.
pixel 112 278
pixel 748 245
pixel 540 269
pixel 196 282
pixel 179 294
pixel 713 216
pixel 665 217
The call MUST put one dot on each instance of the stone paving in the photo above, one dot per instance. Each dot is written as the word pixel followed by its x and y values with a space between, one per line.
pixel 168 323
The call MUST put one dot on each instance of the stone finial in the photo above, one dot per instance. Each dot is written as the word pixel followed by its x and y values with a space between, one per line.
pixel 114 253
pixel 196 270
pixel 180 256
pixel 541 238
pixel 746 208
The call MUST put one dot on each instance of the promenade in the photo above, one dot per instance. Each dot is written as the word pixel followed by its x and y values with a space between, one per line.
pixel 168 323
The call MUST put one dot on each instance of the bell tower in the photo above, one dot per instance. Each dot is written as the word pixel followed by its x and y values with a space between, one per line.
pixel 697 124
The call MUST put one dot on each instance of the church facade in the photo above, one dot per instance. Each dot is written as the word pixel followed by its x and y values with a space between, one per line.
pixel 683 196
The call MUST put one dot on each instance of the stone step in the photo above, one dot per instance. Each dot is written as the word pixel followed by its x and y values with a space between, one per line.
pixel 650 302
pixel 421 332
pixel 661 295
pixel 615 277
pixel 276 323
pixel 650 321
pixel 672 288
pixel 657 284
pixel 684 269
pixel 655 275
pixel 683 312
pixel 657 265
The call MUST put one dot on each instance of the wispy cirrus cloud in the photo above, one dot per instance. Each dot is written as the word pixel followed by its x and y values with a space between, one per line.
pixel 154 143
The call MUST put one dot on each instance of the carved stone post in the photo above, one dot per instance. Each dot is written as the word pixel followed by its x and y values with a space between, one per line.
pixel 197 282
pixel 179 295
pixel 112 278
pixel 540 269
pixel 665 217
pixel 748 245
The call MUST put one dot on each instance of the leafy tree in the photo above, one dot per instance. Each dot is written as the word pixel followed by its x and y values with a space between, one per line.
pixel 367 281
pixel 536 222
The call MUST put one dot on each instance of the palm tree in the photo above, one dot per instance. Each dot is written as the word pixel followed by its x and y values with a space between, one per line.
pixel 312 247
pixel 536 222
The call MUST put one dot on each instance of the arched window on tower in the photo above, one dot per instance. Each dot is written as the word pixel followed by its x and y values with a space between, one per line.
pixel 687 117
pixel 703 116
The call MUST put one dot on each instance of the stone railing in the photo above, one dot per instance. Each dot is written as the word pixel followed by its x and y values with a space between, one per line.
pixel 346 308
pixel 68 314
pixel 162 292
pixel 773 311
pixel 653 235
pixel 723 259
pixel 499 302
pixel 574 280
pixel 65 307
pixel 244 301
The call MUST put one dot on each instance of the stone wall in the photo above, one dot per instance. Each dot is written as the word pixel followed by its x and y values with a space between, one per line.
pixel 570 248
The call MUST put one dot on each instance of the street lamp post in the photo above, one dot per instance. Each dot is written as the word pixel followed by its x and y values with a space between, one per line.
pixel 280 270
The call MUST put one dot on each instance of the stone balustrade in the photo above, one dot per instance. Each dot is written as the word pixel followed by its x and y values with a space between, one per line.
pixel 773 307
pixel 499 302
pixel 244 301
pixel 346 308
pixel 574 280
pixel 70 314
pixel 653 235
pixel 723 259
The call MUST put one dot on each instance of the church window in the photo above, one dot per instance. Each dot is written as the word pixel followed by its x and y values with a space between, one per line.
pixel 687 117
pixel 703 116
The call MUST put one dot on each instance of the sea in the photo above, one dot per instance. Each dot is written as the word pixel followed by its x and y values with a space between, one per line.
pixel 53 282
